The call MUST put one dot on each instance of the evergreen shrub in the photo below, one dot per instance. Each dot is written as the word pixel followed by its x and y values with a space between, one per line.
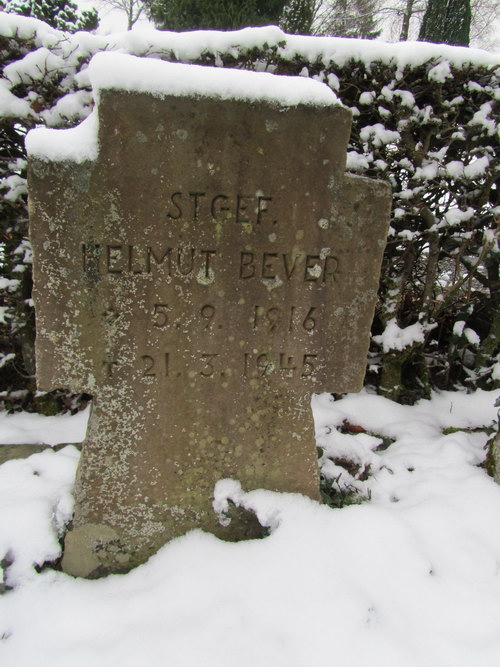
pixel 425 118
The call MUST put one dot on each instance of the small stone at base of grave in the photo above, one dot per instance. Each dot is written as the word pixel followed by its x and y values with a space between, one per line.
pixel 207 271
pixel 11 452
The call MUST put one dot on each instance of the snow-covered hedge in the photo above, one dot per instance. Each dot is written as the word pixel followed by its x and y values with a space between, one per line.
pixel 425 119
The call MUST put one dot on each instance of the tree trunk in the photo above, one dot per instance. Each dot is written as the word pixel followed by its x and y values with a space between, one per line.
pixel 391 380
pixel 446 22
pixel 458 19
pixel 405 28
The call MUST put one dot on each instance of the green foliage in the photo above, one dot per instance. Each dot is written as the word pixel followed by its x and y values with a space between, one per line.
pixel 429 129
pixel 492 461
pixel 446 22
pixel 56 13
pixel 298 17
pixel 213 14
pixel 337 496
pixel 348 486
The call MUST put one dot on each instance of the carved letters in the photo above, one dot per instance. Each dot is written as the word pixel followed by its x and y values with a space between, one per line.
pixel 118 259
pixel 177 263
pixel 240 208
pixel 207 364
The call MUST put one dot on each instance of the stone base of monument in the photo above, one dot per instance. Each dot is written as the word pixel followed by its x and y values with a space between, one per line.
pixel 95 550
pixel 202 266
pixel 150 490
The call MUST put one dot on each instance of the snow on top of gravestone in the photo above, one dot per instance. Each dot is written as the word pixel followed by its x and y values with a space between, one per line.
pixel 160 78
pixel 78 144
pixel 118 71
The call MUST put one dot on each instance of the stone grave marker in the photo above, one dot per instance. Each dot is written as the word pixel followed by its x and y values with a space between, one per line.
pixel 202 266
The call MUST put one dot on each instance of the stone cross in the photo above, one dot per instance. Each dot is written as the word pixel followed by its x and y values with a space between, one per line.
pixel 207 271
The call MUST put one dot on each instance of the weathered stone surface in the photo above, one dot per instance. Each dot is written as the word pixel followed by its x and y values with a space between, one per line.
pixel 208 273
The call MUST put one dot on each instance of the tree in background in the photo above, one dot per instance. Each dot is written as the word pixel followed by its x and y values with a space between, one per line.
pixel 348 18
pixel 484 15
pixel 408 10
pixel 181 15
pixel 446 22
pixel 134 9
pixel 430 127
pixel 402 20
pixel 57 13
pixel 299 16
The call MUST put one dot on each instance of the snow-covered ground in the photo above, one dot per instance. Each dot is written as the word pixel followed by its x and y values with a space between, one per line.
pixel 409 578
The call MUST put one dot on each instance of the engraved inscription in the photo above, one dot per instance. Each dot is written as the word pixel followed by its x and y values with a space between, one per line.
pixel 151 367
pixel 282 266
pixel 174 263
pixel 208 369
pixel 259 365
pixel 110 315
pixel 108 368
pixel 275 318
pixel 159 365
pixel 160 315
pixel 121 258
pixel 208 313
pixel 208 365
pixel 202 263
pixel 240 208
pixel 271 319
